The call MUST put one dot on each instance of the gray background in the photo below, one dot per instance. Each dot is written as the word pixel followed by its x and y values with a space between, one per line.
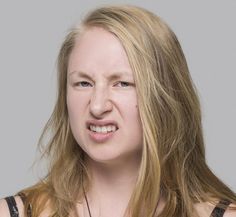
pixel 30 36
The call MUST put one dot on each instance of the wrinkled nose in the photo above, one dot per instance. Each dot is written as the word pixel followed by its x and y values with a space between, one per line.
pixel 100 103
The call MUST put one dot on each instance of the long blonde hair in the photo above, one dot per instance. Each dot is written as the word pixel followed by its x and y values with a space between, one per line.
pixel 173 158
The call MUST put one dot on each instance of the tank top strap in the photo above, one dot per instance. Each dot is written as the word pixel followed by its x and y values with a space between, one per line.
pixel 11 202
pixel 220 208
pixel 29 208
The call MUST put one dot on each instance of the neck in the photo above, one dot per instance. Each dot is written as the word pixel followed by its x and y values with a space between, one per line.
pixel 113 176
pixel 112 184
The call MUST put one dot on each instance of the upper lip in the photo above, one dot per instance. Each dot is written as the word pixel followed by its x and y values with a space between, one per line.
pixel 101 123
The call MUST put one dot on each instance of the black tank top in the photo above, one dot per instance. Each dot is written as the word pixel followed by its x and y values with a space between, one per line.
pixel 218 211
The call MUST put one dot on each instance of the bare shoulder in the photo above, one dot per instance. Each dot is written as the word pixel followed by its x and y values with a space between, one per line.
pixel 4 210
pixel 46 212
pixel 231 212
pixel 205 209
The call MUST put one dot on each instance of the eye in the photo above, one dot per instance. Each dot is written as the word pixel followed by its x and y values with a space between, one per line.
pixel 82 84
pixel 123 84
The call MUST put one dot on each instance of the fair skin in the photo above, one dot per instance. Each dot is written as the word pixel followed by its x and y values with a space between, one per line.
pixel 203 209
pixel 101 93
pixel 101 88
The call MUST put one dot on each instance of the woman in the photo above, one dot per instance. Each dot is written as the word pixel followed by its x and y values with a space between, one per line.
pixel 126 134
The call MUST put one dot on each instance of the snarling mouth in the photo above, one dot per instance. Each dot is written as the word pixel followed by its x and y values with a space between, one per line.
pixel 103 129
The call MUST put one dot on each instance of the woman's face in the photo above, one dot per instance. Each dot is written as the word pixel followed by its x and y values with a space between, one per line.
pixel 102 100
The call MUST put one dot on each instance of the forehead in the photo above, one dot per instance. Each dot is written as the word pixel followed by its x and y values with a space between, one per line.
pixel 97 50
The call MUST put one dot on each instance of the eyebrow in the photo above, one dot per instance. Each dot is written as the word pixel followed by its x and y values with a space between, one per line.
pixel 113 76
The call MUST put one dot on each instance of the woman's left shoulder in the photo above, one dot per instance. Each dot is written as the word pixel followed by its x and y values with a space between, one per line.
pixel 205 209
pixel 230 211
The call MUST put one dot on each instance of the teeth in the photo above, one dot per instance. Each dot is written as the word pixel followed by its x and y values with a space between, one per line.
pixel 98 129
pixel 103 129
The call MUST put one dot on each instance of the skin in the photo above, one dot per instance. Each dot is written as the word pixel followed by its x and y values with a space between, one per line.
pixel 204 210
pixel 113 164
pixel 104 94
pixel 101 87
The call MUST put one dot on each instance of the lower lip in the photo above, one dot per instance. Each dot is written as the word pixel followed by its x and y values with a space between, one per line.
pixel 100 137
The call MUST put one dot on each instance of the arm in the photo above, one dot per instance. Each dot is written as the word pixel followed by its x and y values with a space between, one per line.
pixel 4 210
pixel 229 212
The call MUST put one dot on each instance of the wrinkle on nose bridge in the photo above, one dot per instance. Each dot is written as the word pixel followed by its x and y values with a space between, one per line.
pixel 100 101
pixel 99 95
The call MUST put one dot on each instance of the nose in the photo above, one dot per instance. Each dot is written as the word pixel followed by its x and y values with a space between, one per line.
pixel 100 103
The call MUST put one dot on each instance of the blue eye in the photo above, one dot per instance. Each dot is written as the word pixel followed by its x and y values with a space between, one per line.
pixel 123 84
pixel 82 84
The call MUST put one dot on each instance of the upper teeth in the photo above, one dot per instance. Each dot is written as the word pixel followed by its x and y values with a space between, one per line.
pixel 102 129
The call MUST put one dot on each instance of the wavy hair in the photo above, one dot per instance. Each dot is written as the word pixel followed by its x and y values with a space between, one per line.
pixel 173 161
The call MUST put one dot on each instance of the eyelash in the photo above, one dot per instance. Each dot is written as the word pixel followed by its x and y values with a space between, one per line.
pixel 80 83
pixel 123 82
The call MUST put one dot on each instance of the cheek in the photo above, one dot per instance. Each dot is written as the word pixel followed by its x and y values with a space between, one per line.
pixel 73 107
pixel 133 117
pixel 130 105
pixel 134 129
pixel 76 108
pixel 76 102
pixel 130 113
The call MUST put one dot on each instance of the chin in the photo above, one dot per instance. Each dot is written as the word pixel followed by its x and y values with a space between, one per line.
pixel 105 158
pixel 112 157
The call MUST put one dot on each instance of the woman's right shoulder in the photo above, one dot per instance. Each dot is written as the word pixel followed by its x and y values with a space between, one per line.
pixel 4 209
pixel 5 212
